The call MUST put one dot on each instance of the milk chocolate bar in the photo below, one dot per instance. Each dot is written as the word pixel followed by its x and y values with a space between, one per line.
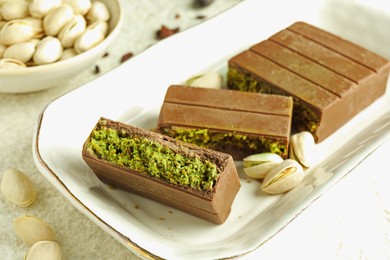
pixel 329 78
pixel 196 180
pixel 235 122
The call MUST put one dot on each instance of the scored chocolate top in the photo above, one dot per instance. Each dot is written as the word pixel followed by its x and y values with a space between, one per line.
pixel 317 67
pixel 226 110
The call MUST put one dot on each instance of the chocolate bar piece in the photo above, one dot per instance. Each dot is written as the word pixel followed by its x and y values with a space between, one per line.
pixel 230 121
pixel 329 78
pixel 196 180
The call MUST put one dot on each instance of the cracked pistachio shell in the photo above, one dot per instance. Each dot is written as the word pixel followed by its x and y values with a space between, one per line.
pixel 12 10
pixel 22 51
pixel 207 80
pixel 2 49
pixel 98 12
pixel 48 50
pixel 73 29
pixel 258 165
pixel 302 148
pixel 79 6
pixel 68 53
pixel 11 64
pixel 40 8
pixel 92 36
pixel 44 250
pixel 56 19
pixel 283 177
pixel 37 26
pixel 16 31
pixel 17 187
pixel 31 229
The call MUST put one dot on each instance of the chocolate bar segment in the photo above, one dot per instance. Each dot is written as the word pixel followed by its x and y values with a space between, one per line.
pixel 196 180
pixel 329 78
pixel 234 122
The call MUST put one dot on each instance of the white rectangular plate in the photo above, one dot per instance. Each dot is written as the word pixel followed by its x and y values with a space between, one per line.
pixel 133 93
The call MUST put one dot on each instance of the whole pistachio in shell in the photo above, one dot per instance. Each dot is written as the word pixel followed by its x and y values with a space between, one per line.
pixel 210 79
pixel 17 187
pixel 44 250
pixel 258 165
pixel 302 148
pixel 31 229
pixel 283 177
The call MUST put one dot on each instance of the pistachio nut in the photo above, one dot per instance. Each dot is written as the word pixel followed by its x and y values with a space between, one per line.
pixel 68 53
pixel 11 64
pixel 16 31
pixel 207 80
pixel 40 8
pixel 258 165
pixel 12 10
pixel 37 26
pixel 283 177
pixel 42 250
pixel 72 30
pixel 302 148
pixel 17 187
pixel 57 18
pixel 2 49
pixel 48 50
pixel 79 6
pixel 92 36
pixel 22 51
pixel 98 12
pixel 31 229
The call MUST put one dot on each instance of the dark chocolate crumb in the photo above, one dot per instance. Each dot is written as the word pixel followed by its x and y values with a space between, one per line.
pixel 165 32
pixel 202 3
pixel 126 56
pixel 136 206
pixel 170 211
pixel 177 16
pixel 105 55
pixel 200 17
pixel 96 69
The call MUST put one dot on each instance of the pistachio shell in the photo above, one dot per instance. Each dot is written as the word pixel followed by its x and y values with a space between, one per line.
pixel 2 49
pixel 37 26
pixel 283 177
pixel 11 64
pixel 48 50
pixel 40 8
pixel 44 250
pixel 68 53
pixel 258 165
pixel 16 31
pixel 31 229
pixel 302 148
pixel 208 80
pixel 72 30
pixel 79 6
pixel 98 12
pixel 57 18
pixel 20 51
pixel 92 36
pixel 12 10
pixel 17 187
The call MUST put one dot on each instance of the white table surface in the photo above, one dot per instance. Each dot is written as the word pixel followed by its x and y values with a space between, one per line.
pixel 350 221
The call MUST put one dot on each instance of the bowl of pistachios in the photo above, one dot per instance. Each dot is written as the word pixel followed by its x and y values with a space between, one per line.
pixel 44 43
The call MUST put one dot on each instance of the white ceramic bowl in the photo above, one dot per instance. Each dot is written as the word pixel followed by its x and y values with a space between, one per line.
pixel 35 78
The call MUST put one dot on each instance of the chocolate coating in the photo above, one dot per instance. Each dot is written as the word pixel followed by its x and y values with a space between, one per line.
pixel 328 76
pixel 213 206
pixel 226 113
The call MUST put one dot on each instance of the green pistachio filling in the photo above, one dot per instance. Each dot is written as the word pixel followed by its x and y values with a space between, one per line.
pixel 152 158
pixel 304 118
pixel 220 141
